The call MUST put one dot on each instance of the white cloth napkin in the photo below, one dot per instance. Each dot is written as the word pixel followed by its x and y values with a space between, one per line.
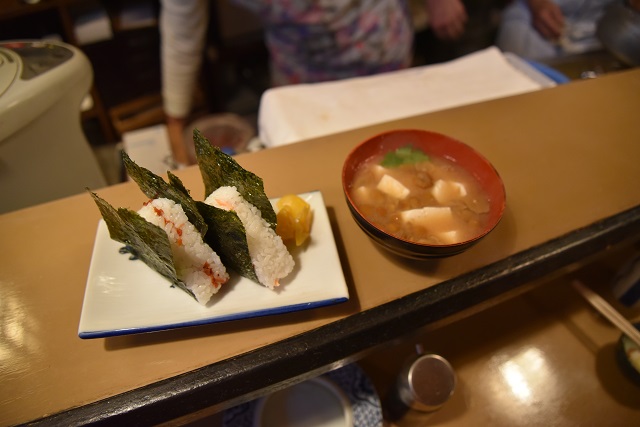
pixel 294 113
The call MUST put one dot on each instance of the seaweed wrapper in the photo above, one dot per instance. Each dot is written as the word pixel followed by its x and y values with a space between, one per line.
pixel 227 236
pixel 143 240
pixel 219 170
pixel 155 187
pixel 221 230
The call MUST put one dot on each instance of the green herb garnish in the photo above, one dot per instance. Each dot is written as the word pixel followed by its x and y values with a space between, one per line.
pixel 402 156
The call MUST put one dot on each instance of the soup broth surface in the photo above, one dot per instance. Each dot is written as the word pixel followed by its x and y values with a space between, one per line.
pixel 432 201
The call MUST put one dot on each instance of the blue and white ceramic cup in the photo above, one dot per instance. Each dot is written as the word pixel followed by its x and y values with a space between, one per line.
pixel 626 284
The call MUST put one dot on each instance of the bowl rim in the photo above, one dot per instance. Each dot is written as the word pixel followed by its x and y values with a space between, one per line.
pixel 354 208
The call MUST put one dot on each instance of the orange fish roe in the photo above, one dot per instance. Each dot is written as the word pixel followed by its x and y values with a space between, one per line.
pixel 206 269
pixel 167 221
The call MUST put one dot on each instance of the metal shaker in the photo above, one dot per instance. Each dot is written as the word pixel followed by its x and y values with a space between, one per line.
pixel 425 383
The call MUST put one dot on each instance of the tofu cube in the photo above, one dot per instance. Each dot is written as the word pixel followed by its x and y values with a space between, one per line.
pixel 447 191
pixel 394 188
pixel 361 195
pixel 449 237
pixel 436 219
pixel 379 171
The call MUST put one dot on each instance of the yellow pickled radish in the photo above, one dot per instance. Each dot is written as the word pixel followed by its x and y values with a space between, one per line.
pixel 294 219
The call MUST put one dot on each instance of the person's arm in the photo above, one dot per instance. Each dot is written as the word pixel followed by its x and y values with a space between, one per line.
pixel 183 28
pixel 447 18
pixel 547 18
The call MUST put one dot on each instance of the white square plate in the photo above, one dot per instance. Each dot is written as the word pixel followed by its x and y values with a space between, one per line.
pixel 126 297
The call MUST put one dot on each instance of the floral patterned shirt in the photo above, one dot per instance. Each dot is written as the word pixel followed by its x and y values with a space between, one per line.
pixel 321 40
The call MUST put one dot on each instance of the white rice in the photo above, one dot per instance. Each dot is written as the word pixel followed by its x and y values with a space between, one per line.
pixel 270 257
pixel 197 265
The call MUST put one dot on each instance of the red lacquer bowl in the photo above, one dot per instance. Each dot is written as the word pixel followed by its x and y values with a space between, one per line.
pixel 436 145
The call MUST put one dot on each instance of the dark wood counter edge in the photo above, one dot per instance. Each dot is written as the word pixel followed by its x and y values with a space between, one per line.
pixel 250 375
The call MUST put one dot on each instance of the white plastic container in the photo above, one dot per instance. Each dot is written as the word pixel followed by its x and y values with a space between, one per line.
pixel 44 154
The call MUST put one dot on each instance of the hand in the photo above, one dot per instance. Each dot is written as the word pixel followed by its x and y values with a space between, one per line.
pixel 175 129
pixel 547 18
pixel 447 18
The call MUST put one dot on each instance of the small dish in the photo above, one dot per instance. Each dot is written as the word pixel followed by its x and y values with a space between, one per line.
pixel 431 144
pixel 127 297
pixel 316 402
pixel 628 356
pixel 348 387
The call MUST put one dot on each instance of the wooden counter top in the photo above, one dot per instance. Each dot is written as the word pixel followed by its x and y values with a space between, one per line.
pixel 569 160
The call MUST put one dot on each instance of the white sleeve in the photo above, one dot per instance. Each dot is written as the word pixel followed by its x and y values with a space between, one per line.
pixel 183 29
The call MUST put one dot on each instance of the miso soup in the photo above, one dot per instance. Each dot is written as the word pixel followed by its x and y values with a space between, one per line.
pixel 420 198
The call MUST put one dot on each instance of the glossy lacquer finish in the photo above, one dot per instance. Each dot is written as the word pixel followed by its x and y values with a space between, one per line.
pixel 568 157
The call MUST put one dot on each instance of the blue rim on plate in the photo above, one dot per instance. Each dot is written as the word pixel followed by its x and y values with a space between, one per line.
pixel 351 379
